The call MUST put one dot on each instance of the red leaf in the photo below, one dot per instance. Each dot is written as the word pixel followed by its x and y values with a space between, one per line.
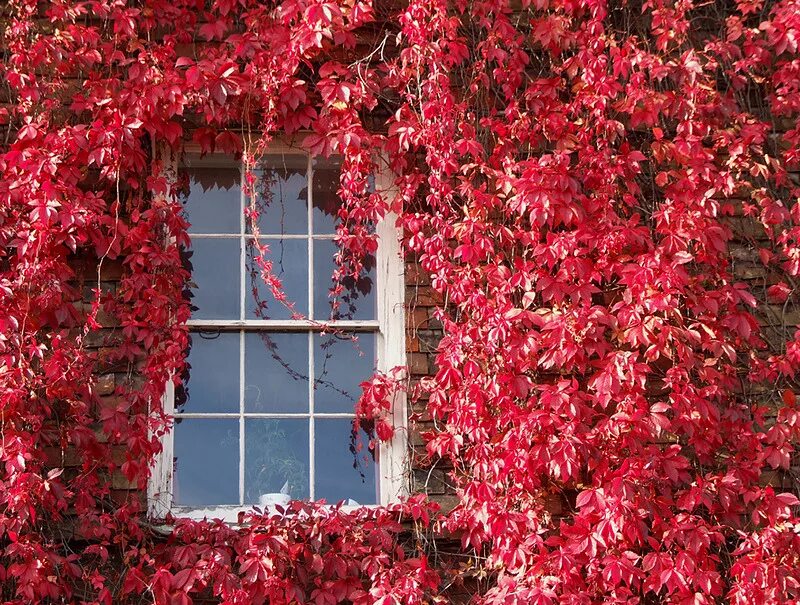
pixel 229 142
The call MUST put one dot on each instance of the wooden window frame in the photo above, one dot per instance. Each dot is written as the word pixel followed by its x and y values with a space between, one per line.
pixel 389 330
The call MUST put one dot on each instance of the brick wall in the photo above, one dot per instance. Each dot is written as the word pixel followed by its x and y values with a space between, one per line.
pixel 778 323
pixel 423 333
pixel 111 373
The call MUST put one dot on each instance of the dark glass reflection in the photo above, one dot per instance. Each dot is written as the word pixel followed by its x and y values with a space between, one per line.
pixel 282 194
pixel 339 368
pixel 214 263
pixel 357 300
pixel 326 198
pixel 290 265
pixel 276 372
pixel 211 381
pixel 343 471
pixel 206 462
pixel 276 458
pixel 213 202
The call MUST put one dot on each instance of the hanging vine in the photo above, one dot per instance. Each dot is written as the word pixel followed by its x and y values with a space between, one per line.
pixel 570 174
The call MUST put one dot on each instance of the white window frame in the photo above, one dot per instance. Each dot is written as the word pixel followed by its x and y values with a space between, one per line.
pixel 389 330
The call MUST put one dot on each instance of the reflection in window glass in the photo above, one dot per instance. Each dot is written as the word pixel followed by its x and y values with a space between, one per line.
pixel 216 295
pixel 358 299
pixel 342 471
pixel 211 380
pixel 213 203
pixel 289 259
pixel 282 194
pixel 340 365
pixel 326 199
pixel 206 462
pixel 276 372
pixel 276 458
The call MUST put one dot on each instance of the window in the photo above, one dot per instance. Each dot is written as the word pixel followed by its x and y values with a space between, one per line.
pixel 265 412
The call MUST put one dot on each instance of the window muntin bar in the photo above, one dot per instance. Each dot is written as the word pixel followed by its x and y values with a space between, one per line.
pixel 248 324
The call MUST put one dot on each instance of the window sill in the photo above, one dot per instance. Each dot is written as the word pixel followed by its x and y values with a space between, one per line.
pixel 230 514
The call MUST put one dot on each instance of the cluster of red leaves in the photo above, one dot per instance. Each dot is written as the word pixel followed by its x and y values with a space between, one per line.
pixel 564 168
pixel 308 553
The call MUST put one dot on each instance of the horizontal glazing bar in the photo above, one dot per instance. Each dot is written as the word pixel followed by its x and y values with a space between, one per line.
pixel 260 415
pixel 283 324
pixel 264 236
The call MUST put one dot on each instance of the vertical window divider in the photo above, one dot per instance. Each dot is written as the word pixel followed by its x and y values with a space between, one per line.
pixel 160 484
pixel 393 459
pixel 241 415
pixel 310 233
pixel 311 427
pixel 242 290
pixel 311 315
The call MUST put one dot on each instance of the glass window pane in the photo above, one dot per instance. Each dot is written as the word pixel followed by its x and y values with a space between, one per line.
pixel 276 372
pixel 206 463
pixel 214 264
pixel 326 200
pixel 211 382
pixel 276 458
pixel 357 301
pixel 340 365
pixel 342 470
pixel 289 259
pixel 213 203
pixel 282 194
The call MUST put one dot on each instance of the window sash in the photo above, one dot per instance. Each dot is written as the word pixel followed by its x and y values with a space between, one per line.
pixel 311 415
pixel 388 326
pixel 243 237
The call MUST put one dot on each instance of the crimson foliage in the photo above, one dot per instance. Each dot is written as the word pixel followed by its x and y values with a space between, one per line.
pixel 565 174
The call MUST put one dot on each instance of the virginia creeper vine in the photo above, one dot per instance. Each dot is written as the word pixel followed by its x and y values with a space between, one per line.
pixel 576 177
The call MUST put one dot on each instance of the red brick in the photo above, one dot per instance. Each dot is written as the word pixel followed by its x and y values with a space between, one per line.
pixel 416 275
pixel 61 458
pixel 105 384
pixel 119 481
pixel 426 296
pixel 417 317
pixel 418 363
